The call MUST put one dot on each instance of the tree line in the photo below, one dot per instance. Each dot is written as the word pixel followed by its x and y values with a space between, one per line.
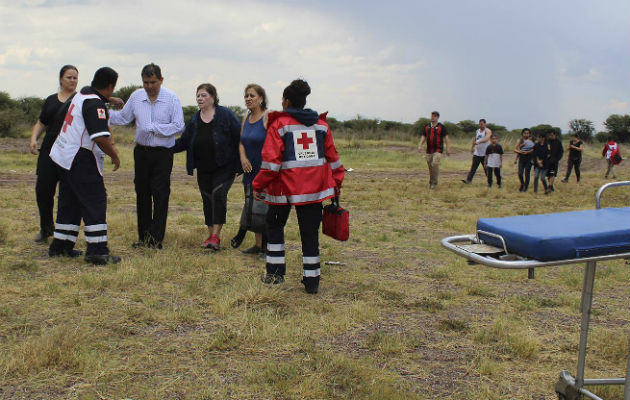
pixel 18 115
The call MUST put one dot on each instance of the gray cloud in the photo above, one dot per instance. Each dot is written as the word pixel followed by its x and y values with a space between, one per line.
pixel 516 63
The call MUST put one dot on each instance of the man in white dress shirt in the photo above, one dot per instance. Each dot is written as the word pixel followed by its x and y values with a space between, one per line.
pixel 158 115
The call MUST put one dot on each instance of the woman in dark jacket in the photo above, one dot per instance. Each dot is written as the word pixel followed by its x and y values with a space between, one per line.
pixel 211 142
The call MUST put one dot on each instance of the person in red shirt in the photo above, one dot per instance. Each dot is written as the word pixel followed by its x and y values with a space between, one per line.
pixel 610 152
pixel 300 167
pixel 435 135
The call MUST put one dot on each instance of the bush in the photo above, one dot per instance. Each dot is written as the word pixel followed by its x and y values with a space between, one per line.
pixel 31 107
pixel 11 122
pixel 5 101
pixel 189 111
pixel 126 91
pixel 602 137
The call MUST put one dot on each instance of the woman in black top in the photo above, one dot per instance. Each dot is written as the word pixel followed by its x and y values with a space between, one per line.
pixel 575 157
pixel 50 120
pixel 211 142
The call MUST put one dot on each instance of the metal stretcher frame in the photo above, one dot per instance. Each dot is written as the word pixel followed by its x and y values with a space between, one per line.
pixel 567 387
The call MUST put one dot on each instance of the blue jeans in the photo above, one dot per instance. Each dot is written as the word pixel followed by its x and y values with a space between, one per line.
pixel 542 174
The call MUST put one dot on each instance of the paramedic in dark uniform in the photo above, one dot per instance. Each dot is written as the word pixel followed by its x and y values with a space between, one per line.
pixel 80 158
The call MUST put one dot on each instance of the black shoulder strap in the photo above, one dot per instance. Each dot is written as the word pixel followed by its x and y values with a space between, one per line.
pixel 61 113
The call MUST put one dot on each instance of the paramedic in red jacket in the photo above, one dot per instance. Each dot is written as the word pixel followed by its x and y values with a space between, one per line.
pixel 300 167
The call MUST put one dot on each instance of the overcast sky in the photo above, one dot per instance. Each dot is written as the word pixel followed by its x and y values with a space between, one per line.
pixel 515 63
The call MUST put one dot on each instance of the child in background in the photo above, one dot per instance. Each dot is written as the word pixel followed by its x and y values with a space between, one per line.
pixel 494 160
pixel 541 162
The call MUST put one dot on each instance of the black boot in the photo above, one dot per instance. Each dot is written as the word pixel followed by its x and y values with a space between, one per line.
pixel 311 284
pixel 238 239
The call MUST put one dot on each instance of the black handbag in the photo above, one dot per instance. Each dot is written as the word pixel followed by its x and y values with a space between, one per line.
pixel 254 214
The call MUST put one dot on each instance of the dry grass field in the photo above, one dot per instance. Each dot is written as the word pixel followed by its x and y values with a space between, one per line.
pixel 401 318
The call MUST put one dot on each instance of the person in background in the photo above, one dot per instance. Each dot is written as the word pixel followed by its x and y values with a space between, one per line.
pixel 523 150
pixel 211 140
pixel 253 134
pixel 158 115
pixel 611 148
pixel 493 161
pixel 436 136
pixel 540 156
pixel 50 119
pixel 555 154
pixel 576 146
pixel 479 144
pixel 300 167
pixel 79 151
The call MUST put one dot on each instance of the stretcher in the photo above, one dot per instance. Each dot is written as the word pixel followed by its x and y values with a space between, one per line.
pixel 512 243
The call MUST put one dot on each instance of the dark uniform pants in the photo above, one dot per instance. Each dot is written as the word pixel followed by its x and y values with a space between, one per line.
pixel 309 218
pixel 45 188
pixel 81 196
pixel 153 166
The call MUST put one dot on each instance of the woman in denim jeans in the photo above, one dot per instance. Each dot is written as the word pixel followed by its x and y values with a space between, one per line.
pixel 541 162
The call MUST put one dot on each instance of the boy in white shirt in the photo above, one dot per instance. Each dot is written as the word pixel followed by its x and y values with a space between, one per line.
pixel 494 160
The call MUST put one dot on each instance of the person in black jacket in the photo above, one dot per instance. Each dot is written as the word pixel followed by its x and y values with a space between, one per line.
pixel 540 157
pixel 555 154
pixel 211 140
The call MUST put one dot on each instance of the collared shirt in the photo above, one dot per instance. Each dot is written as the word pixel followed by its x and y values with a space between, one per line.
pixel 157 123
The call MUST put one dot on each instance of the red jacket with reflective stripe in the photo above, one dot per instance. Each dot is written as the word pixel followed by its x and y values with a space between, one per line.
pixel 300 164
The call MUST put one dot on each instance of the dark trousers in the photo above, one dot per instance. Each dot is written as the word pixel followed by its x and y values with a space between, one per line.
pixel 309 218
pixel 152 181
pixel 573 164
pixel 82 196
pixel 214 187
pixel 476 161
pixel 497 173
pixel 45 188
pixel 524 171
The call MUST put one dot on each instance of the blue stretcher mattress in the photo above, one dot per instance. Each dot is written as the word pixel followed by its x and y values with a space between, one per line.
pixel 562 236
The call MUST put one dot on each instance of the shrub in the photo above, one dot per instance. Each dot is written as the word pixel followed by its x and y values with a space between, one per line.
pixel 31 107
pixel 11 120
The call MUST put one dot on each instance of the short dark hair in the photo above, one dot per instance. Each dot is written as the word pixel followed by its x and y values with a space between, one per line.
pixel 526 130
pixel 212 91
pixel 296 93
pixel 151 70
pixel 436 113
pixel 103 77
pixel 494 135
pixel 65 68
pixel 483 119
